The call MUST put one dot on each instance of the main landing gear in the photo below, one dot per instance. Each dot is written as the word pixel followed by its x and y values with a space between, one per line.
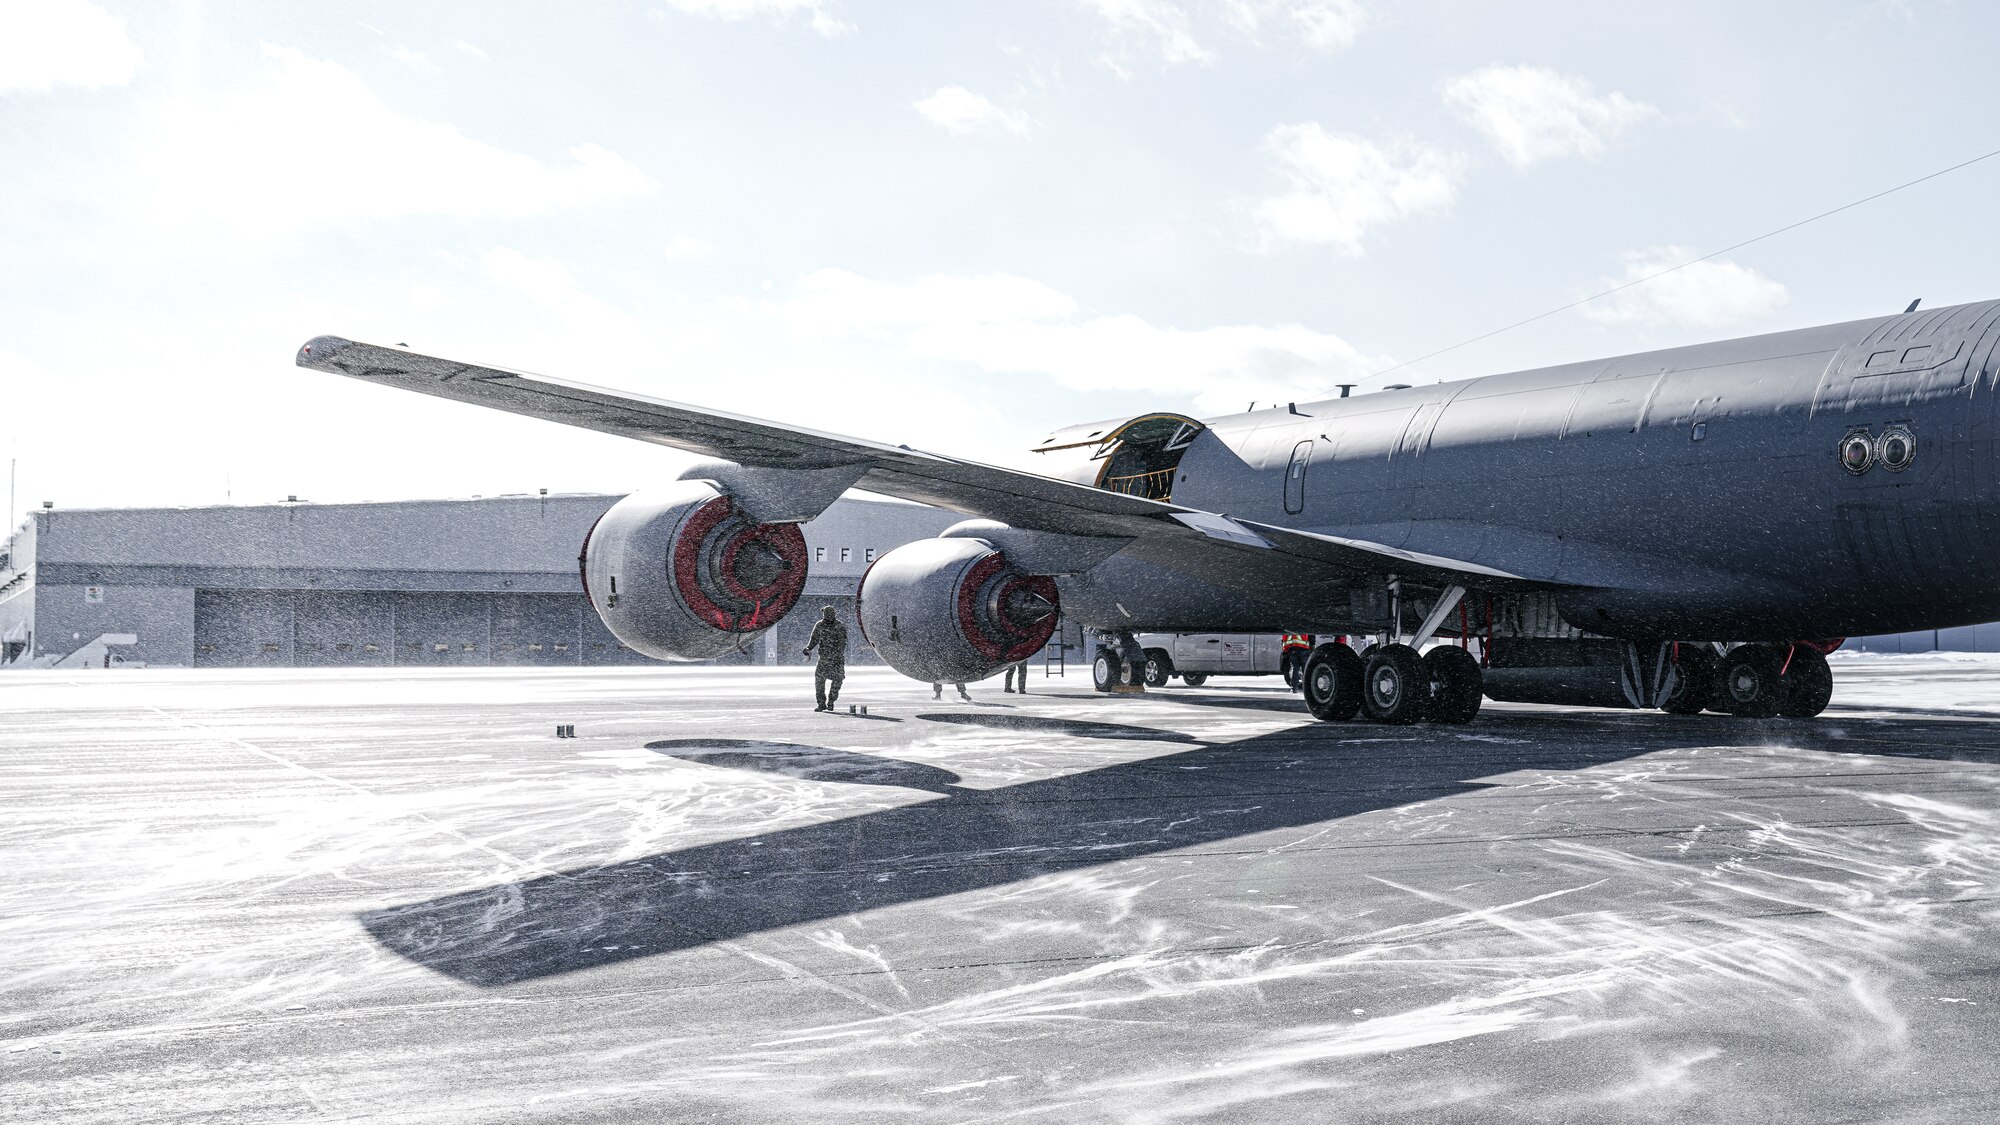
pixel 1393 684
pixel 1756 681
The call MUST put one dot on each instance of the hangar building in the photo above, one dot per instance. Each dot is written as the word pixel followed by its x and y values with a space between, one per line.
pixel 428 582
pixel 431 582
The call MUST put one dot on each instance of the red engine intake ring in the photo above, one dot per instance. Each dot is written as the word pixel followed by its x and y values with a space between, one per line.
pixel 767 604
pixel 1014 647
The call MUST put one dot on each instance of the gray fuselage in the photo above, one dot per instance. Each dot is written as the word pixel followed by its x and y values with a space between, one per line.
pixel 1694 492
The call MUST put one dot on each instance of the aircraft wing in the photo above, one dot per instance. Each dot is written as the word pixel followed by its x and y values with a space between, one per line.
pixel 1204 542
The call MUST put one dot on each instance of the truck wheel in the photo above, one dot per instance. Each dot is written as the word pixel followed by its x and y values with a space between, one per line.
pixel 1105 670
pixel 1159 668
pixel 1195 679
pixel 1332 683
pixel 1395 685
pixel 1455 684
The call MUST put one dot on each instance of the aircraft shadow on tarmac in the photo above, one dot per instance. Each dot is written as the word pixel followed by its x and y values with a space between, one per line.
pixel 968 840
pixel 1080 728
pixel 809 763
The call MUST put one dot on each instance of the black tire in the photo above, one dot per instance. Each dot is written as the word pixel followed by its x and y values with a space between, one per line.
pixel 1748 683
pixel 1396 687
pixel 1105 670
pixel 1195 679
pixel 1332 683
pixel 1455 684
pixel 1808 684
pixel 1694 687
pixel 1159 668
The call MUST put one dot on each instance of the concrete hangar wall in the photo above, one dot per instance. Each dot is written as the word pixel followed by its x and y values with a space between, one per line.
pixel 434 582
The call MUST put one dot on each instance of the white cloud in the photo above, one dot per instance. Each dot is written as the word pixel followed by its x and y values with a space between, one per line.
pixel 961 111
pixel 687 248
pixel 1166 29
pixel 1323 25
pixel 1004 324
pixel 549 284
pixel 463 47
pixel 412 58
pixel 50 43
pixel 819 12
pixel 1531 113
pixel 315 146
pixel 1707 294
pixel 1343 185
pixel 1158 26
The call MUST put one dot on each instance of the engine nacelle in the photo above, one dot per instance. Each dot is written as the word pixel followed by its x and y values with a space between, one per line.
pixel 954 610
pixel 680 574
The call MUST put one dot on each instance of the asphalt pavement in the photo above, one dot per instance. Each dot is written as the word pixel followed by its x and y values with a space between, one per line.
pixel 392 895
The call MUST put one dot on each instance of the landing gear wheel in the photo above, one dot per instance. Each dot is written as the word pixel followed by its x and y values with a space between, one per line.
pixel 1808 684
pixel 1332 683
pixel 1455 684
pixel 1395 685
pixel 1159 668
pixel 1195 679
pixel 1694 684
pixel 1748 681
pixel 1106 670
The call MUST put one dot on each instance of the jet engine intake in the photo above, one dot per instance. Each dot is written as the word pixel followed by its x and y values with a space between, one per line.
pixel 954 610
pixel 681 574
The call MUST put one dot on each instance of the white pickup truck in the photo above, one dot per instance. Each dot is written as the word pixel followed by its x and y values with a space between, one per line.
pixel 1194 657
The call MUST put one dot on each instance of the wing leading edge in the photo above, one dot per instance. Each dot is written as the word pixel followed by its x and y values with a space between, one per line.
pixel 1019 499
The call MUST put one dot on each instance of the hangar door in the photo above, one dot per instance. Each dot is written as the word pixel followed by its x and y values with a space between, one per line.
pixel 336 628
pixel 441 628
pixel 242 629
pixel 537 628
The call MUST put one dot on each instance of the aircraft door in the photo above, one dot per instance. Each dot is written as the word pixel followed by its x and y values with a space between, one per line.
pixel 1295 478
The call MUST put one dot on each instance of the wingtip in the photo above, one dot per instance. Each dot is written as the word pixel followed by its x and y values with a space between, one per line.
pixel 321 350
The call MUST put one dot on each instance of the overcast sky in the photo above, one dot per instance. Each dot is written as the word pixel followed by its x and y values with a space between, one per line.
pixel 956 225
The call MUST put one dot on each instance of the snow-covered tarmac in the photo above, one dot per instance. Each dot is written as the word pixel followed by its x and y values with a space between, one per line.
pixel 396 896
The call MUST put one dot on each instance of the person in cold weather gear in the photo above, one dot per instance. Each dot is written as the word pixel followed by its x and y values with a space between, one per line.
pixel 830 638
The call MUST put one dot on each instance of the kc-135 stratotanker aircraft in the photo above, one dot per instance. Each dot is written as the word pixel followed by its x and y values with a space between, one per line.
pixel 1684 529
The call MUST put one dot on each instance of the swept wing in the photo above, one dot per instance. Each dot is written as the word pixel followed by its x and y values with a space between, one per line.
pixel 1210 543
